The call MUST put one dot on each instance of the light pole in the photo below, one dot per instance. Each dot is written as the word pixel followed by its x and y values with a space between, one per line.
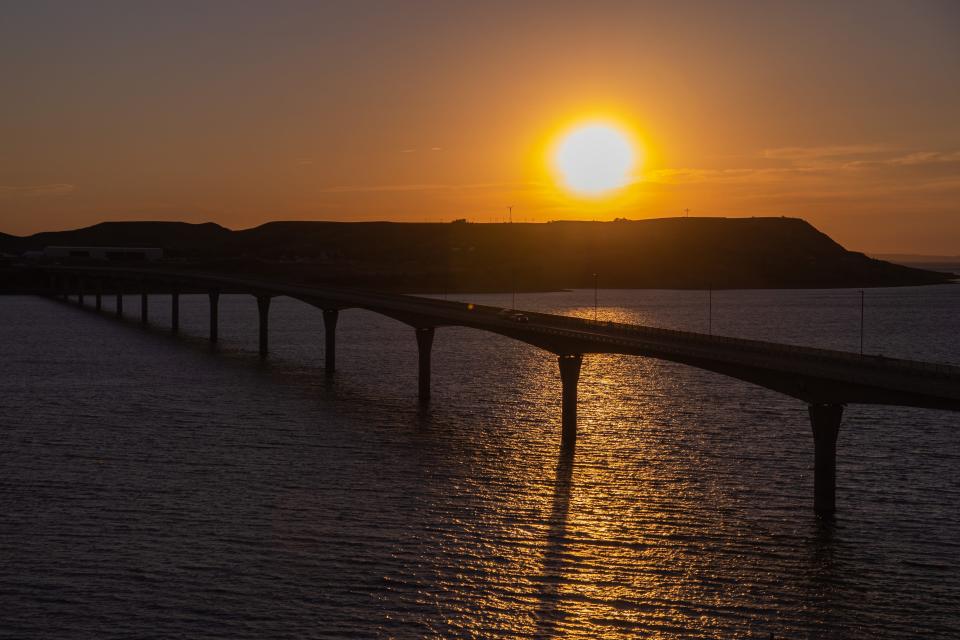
pixel 595 297
pixel 513 261
pixel 861 321
pixel 710 308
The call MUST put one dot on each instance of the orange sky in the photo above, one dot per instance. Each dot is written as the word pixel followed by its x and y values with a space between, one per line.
pixel 845 114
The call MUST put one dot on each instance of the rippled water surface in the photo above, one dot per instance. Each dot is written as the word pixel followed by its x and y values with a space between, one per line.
pixel 152 488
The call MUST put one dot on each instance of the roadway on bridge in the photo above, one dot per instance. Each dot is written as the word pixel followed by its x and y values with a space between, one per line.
pixel 817 376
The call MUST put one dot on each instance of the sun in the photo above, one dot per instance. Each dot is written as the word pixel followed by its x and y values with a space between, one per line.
pixel 594 158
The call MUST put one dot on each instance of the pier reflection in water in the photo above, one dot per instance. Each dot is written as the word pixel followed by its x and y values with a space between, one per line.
pixel 153 488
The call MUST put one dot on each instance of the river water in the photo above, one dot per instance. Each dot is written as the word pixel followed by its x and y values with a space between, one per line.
pixel 152 488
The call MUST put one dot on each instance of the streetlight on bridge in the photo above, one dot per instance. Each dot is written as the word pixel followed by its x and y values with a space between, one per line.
pixel 595 297
pixel 861 321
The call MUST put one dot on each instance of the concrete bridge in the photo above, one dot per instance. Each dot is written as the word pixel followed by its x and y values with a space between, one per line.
pixel 825 380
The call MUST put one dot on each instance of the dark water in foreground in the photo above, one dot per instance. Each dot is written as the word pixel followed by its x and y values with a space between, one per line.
pixel 149 488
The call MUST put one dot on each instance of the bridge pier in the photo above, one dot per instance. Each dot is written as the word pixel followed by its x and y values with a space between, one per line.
pixel 330 339
pixel 175 312
pixel 214 315
pixel 144 316
pixel 120 301
pixel 263 308
pixel 99 296
pixel 80 291
pixel 825 420
pixel 569 377
pixel 424 347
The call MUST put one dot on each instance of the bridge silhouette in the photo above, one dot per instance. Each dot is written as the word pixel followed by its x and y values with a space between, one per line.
pixel 826 380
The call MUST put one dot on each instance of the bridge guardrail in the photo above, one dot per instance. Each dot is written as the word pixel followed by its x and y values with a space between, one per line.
pixel 573 322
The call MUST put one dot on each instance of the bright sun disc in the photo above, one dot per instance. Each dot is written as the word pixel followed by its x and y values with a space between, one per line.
pixel 594 158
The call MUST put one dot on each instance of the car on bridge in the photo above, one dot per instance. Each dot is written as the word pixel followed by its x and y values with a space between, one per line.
pixel 513 314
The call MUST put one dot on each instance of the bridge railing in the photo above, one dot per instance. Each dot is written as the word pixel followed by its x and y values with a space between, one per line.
pixel 701 339
pixel 611 328
pixel 757 346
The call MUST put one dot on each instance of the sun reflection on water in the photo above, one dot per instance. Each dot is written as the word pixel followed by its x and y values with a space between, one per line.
pixel 684 512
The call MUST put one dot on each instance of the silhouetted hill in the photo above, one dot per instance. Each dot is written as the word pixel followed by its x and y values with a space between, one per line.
pixel 178 236
pixel 950 264
pixel 662 253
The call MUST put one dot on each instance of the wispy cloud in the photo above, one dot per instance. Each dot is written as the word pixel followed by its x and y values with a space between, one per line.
pixel 37 190
pixel 690 175
pixel 817 153
pixel 820 162
pixel 421 187
pixel 912 159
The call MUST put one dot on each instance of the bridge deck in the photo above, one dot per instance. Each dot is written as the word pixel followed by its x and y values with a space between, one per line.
pixel 818 376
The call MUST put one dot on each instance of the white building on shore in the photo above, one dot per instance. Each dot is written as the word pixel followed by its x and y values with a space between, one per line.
pixel 107 254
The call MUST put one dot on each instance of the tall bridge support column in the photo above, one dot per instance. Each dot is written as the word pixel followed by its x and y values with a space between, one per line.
pixel 99 296
pixel 263 308
pixel 214 315
pixel 825 419
pixel 330 340
pixel 569 376
pixel 424 347
pixel 144 315
pixel 175 312
pixel 119 300
pixel 79 291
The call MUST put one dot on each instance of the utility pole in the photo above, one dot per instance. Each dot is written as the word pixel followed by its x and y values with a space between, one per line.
pixel 595 297
pixel 513 261
pixel 861 321
pixel 687 212
pixel 710 309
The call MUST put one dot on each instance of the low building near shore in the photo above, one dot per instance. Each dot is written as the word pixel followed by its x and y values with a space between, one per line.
pixel 104 254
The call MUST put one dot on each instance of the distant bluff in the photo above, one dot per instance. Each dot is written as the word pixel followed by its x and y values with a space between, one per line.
pixel 679 253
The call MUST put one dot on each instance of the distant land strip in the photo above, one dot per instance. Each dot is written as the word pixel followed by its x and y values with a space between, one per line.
pixel 665 253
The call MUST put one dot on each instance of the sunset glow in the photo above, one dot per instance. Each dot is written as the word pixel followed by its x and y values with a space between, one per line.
pixel 480 319
pixel 843 121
